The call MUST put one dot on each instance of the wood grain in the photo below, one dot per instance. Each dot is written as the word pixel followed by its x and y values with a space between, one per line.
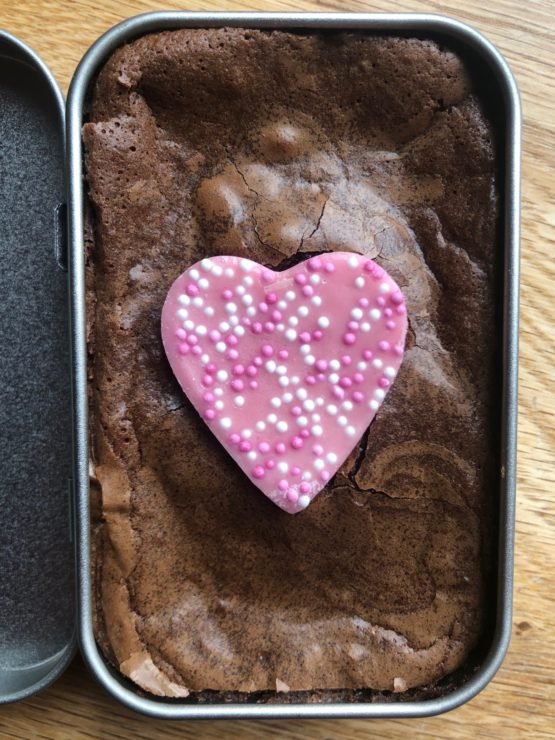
pixel 520 702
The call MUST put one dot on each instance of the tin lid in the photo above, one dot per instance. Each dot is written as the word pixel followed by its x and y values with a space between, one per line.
pixel 37 588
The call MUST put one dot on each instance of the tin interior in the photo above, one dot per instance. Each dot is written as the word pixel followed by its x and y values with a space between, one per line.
pixel 499 88
pixel 36 553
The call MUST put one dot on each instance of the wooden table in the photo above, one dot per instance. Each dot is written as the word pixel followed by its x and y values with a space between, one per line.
pixel 521 699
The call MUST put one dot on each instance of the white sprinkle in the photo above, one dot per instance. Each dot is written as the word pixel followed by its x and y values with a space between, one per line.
pixel 183 313
pixel 389 372
pixel 290 295
pixel 291 335
pixel 283 381
pixel 282 305
pixel 305 349
pixel 317 430
pixel 224 326
pixel 362 365
pixel 283 467
pixel 303 311
pixel 239 331
pixel 206 265
pixel 310 359
pixel 357 314
pixel 240 290
pixel 276 402
pixel 194 274
pixel 295 380
pixel 248 280
pixel 218 392
pixel 352 261
pixel 184 300
pixel 189 325
pixel 205 359
pixel 225 423
pixel 315 418
pixel 217 271
pixel 247 433
pixel 319 464
pixel 379 393
pixel 347 405
pixel 331 409
pixel 218 405
pixel 280 327
pixel 222 375
pixel 375 313
pixel 365 326
pixel 331 457
pixel 384 288
pixel 287 397
pixel 316 300
pixel 309 405
pixel 209 311
pixel 229 271
pixel 203 283
pixel 247 299
pixel 282 426
pixel 231 307
pixel 251 455
pixel 245 265
pixel 302 393
pixel 323 322
pixel 351 431
pixel 342 421
pixel 261 426
pixel 221 347
pixel 239 401
pixel 201 330
pixel 334 364
pixel 294 321
pixel 377 363
pixel 374 405
pixel 333 378
pixel 270 366
pixel 307 475
pixel 359 282
pixel 319 401
pixel 198 302
pixel 251 311
pixel 303 501
pixel 233 320
pixel 272 418
pixel 281 369
pixel 302 421
pixel 315 279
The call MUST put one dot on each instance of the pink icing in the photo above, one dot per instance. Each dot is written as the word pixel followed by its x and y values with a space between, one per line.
pixel 323 365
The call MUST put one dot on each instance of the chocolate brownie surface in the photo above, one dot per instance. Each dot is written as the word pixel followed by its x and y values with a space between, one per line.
pixel 274 146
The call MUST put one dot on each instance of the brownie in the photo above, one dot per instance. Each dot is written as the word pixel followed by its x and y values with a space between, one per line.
pixel 277 146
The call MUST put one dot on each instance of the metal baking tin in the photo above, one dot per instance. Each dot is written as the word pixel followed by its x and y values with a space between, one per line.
pixel 37 585
pixel 492 61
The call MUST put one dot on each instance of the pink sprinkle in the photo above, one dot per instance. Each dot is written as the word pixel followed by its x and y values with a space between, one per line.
pixel 321 376
pixel 269 326
pixel 181 334
pixel 380 300
pixel 300 278
pixel 235 438
pixel 345 382
pixel 258 361
pixel 378 272
pixel 390 324
pixel 388 312
pixel 317 450
pixel 295 470
pixel 296 443
pixel 292 496
pixel 329 267
pixel 369 266
pixel 304 487
pixel 192 289
pixel 232 354
pixel 245 446
pixel 346 360
pixel 209 414
pixel 280 448
pixel 317 334
pixel 324 475
pixel 268 276
pixel 337 391
pixel 271 298
pixel 258 472
pixel 253 384
pixel 207 380
pixel 276 315
pixel 267 350
pixel 310 380
pixel 353 325
pixel 363 302
pixel 283 485
pixel 232 341
pixel 358 378
pixel 304 337
pixel 358 397
pixel 208 397
pixel 257 328
pixel 270 464
pixel 383 383
pixel 252 371
pixel 398 350
pixel 227 294
pixel 193 339
pixel 304 433
pixel 314 264
pixel 367 354
pixel 196 350
pixel 238 370
pixel 183 349
pixel 296 411
pixel 349 338
pixel 400 310
pixel 383 345
pixel 321 365
pixel 264 447
pixel 237 385
pixel 263 307
pixel 211 368
pixel 397 298
pixel 283 354
pixel 215 335
pixel 308 290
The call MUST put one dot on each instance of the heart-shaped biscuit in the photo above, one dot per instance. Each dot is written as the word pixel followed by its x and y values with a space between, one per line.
pixel 288 368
